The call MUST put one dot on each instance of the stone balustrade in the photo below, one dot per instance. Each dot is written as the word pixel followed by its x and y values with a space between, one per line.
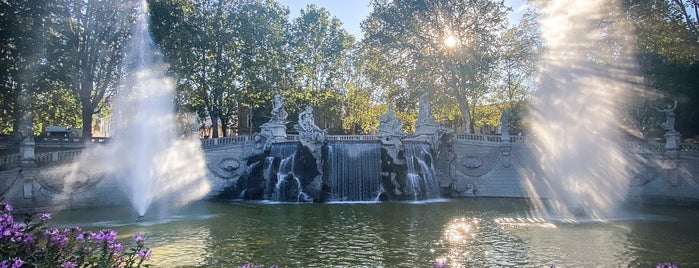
pixel 479 138
pixel 9 159
pixel 689 147
pixel 57 156
pixel 341 137
pixel 227 140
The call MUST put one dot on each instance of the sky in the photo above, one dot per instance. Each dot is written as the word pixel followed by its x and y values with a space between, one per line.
pixel 353 12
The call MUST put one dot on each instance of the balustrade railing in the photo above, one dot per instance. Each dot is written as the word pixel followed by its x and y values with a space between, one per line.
pixel 479 138
pixel 57 156
pixel 226 140
pixel 352 137
pixel 9 159
pixel 689 147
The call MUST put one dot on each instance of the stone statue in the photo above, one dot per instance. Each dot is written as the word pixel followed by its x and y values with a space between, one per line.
pixel 425 111
pixel 426 126
pixel 391 133
pixel 306 120
pixel 390 124
pixel 275 129
pixel 669 123
pixel 279 114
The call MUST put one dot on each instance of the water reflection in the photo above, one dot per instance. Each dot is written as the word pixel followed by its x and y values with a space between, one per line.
pixel 458 233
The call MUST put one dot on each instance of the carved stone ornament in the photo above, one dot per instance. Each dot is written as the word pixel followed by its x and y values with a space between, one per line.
pixel 229 164
pixel 471 161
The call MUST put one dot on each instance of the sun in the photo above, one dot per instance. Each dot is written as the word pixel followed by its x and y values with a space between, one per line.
pixel 450 41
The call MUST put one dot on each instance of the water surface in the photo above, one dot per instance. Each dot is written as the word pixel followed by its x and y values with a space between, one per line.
pixel 482 232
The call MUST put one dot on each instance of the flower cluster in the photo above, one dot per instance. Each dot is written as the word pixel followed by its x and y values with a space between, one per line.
pixel 33 244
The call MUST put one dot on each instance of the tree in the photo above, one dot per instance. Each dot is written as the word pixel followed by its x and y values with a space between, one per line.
pixel 93 36
pixel 223 53
pixel 668 61
pixel 319 49
pixel 23 59
pixel 264 57
pixel 445 48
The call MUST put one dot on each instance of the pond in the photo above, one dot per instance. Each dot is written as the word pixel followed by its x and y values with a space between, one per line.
pixel 478 232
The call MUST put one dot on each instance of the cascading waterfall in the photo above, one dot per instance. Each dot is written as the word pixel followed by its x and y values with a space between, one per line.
pixel 586 70
pixel 421 179
pixel 145 155
pixel 354 170
pixel 281 183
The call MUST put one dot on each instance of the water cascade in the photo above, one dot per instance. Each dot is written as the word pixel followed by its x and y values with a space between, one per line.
pixel 145 155
pixel 421 178
pixel 281 182
pixel 354 170
pixel 575 117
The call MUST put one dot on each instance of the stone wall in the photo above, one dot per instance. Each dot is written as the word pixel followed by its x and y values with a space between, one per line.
pixel 468 166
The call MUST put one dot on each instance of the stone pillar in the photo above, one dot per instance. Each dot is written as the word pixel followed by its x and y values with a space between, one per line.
pixel 672 140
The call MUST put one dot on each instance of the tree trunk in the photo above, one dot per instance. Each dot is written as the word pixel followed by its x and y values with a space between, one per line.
pixel 466 113
pixel 214 124
pixel 224 125
pixel 87 118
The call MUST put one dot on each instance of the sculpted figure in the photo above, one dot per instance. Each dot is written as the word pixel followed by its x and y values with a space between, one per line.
pixel 669 123
pixel 425 112
pixel 389 124
pixel 278 112
pixel 306 120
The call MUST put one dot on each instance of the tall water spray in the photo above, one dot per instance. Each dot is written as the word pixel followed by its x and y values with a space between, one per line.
pixel 151 162
pixel 576 117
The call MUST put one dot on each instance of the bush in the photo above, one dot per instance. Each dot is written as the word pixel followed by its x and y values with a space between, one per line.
pixel 32 243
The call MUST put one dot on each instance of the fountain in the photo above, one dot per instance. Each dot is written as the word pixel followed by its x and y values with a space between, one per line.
pixel 575 115
pixel 354 170
pixel 145 156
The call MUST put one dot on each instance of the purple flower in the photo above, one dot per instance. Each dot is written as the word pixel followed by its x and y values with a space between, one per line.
pixel 7 207
pixel 145 254
pixel 6 218
pixel 3 264
pixel 116 247
pixel 69 230
pixel 67 264
pixel 83 236
pixel 28 239
pixel 17 263
pixel 105 235
pixel 246 265
pixel 44 216
pixel 138 238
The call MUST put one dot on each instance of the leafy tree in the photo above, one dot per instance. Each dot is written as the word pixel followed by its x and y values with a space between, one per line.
pixel 92 38
pixel 668 61
pixel 319 48
pixel 361 113
pixel 444 48
pixel 223 53
pixel 264 58
pixel 23 59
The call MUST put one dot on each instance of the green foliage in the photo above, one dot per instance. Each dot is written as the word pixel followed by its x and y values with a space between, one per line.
pixel 668 61
pixel 410 38
pixel 361 113
pixel 320 52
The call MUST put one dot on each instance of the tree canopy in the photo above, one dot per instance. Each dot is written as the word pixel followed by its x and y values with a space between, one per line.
pixel 62 61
